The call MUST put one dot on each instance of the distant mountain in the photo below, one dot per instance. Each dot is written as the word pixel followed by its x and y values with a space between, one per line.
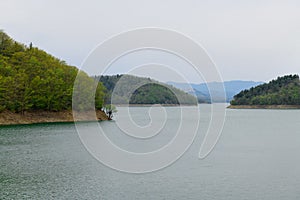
pixel 282 91
pixel 123 89
pixel 216 94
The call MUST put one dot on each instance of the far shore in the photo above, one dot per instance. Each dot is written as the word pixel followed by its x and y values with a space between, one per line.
pixel 153 105
pixel 11 118
pixel 264 107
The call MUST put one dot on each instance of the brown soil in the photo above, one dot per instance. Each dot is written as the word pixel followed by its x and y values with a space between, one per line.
pixel 8 117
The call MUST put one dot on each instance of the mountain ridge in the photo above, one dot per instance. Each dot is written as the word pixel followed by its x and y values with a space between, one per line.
pixel 213 91
pixel 129 89
pixel 283 91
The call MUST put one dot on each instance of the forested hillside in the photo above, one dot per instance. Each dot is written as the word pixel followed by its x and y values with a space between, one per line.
pixel 152 93
pixel 282 91
pixel 31 79
pixel 138 90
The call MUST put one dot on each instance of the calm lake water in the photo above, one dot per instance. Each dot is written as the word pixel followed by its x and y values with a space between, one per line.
pixel 257 157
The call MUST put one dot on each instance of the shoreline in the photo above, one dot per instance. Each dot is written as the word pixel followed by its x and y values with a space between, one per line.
pixel 280 107
pixel 153 105
pixel 11 118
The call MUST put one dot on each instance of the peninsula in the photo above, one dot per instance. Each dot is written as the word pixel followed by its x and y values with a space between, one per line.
pixel 281 93
pixel 36 87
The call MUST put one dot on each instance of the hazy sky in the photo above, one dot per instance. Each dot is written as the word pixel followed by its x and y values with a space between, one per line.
pixel 249 40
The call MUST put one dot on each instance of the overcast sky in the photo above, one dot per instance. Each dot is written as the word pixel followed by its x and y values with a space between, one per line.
pixel 248 40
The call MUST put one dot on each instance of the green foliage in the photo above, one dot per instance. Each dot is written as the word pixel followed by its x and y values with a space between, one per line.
pixel 100 95
pixel 31 79
pixel 282 91
pixel 123 89
pixel 88 93
pixel 153 93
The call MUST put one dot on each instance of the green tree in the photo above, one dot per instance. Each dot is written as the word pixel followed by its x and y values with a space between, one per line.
pixel 31 79
pixel 281 91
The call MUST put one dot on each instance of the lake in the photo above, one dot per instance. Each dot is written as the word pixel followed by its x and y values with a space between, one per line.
pixel 257 157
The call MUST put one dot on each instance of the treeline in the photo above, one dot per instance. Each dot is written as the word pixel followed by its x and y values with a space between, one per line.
pixel 31 79
pixel 282 91
pixel 152 93
pixel 123 89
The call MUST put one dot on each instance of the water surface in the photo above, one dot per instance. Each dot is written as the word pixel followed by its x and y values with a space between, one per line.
pixel 257 157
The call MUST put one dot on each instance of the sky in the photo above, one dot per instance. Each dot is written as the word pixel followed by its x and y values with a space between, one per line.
pixel 247 40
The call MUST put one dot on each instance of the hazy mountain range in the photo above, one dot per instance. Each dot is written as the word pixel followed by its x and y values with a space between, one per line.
pixel 123 89
pixel 212 91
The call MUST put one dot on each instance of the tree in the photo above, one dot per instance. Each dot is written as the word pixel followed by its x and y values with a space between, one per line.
pixel 31 79
pixel 109 110
pixel 281 91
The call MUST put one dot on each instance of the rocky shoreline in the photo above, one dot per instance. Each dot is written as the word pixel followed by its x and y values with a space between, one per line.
pixel 264 107
pixel 11 118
